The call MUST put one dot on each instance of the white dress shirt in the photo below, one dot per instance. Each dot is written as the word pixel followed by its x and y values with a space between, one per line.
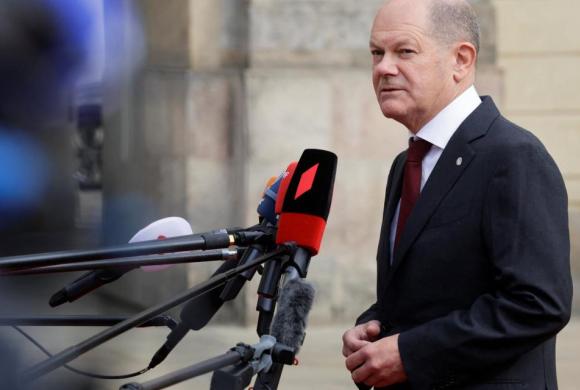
pixel 438 132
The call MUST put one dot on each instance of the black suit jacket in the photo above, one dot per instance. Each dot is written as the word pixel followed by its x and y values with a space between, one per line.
pixel 480 281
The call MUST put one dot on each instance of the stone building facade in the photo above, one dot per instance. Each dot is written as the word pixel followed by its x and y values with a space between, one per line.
pixel 232 91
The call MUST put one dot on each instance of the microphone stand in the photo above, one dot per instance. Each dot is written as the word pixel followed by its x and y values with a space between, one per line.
pixel 232 371
pixel 83 320
pixel 267 295
pixel 131 262
pixel 175 244
pixel 74 351
pixel 297 267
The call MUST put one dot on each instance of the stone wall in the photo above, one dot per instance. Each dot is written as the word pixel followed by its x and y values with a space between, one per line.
pixel 309 85
pixel 232 91
pixel 539 54
pixel 176 146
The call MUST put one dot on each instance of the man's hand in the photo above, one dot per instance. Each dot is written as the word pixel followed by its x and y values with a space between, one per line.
pixel 377 363
pixel 359 336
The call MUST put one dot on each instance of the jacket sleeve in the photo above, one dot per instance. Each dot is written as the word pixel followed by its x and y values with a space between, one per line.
pixel 525 232
pixel 368 315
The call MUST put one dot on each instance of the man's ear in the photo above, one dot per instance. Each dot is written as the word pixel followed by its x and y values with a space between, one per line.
pixel 464 61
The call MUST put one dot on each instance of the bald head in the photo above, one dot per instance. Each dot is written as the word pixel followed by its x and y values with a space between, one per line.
pixel 449 21
pixel 424 54
pixel 454 21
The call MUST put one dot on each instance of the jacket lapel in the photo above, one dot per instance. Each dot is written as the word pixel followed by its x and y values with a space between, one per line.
pixel 391 206
pixel 453 162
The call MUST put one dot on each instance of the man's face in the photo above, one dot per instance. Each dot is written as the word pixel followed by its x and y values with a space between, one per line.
pixel 412 73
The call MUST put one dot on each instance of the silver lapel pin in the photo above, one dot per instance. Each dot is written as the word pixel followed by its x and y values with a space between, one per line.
pixel 459 161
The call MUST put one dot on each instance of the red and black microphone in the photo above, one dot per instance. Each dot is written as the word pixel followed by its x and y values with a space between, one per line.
pixel 307 205
pixel 304 201
pixel 196 313
pixel 304 211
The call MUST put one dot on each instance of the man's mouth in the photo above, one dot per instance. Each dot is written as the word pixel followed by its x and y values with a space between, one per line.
pixel 390 89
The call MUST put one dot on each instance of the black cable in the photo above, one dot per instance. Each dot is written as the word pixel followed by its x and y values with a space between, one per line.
pixel 76 370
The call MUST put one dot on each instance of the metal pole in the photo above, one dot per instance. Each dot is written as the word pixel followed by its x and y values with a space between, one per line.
pixel 74 351
pixel 130 262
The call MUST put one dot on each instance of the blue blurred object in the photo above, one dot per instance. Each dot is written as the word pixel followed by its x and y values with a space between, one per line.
pixel 24 173
pixel 43 47
pixel 267 206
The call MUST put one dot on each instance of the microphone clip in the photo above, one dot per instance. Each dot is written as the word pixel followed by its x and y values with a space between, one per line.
pixel 299 258
pixel 261 236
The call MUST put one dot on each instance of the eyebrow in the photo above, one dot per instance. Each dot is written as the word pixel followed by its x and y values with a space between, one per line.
pixel 398 42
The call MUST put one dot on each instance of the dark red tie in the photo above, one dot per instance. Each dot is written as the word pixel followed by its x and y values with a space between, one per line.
pixel 411 182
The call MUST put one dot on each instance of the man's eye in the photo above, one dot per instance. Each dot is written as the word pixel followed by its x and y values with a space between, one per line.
pixel 406 51
pixel 377 52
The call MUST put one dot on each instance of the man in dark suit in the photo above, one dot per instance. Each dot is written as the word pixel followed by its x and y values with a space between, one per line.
pixel 473 261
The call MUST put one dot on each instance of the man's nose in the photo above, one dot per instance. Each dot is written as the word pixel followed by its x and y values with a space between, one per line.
pixel 387 66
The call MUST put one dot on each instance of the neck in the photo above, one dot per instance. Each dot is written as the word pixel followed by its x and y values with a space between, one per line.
pixel 439 104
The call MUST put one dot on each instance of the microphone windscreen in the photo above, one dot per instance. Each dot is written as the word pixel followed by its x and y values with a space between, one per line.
pixel 159 230
pixel 294 304
pixel 307 200
pixel 286 179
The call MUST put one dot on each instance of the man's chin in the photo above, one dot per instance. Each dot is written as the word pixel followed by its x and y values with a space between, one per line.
pixel 392 111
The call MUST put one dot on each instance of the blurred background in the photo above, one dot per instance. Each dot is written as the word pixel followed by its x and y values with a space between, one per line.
pixel 115 113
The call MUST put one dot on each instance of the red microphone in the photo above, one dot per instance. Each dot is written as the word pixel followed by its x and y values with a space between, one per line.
pixel 307 200
pixel 287 177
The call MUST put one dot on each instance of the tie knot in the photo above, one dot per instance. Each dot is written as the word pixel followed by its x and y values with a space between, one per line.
pixel 417 149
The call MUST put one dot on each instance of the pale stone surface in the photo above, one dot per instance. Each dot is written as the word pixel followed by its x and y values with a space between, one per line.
pixel 300 108
pixel 538 51
pixel 167 26
pixel 164 94
pixel 560 135
pixel 328 32
pixel 199 34
pixel 542 85
pixel 208 127
pixel 182 164
pixel 573 187
pixel 173 187
pixel 209 195
pixel 291 109
pixel 488 37
pixel 575 246
pixel 544 28
pixel 287 112
pixel 489 81
pixel 204 144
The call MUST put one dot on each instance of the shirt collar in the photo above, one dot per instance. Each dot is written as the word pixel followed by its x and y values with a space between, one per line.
pixel 439 130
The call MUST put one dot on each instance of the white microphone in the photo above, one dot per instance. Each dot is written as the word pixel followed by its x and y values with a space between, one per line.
pixel 160 229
